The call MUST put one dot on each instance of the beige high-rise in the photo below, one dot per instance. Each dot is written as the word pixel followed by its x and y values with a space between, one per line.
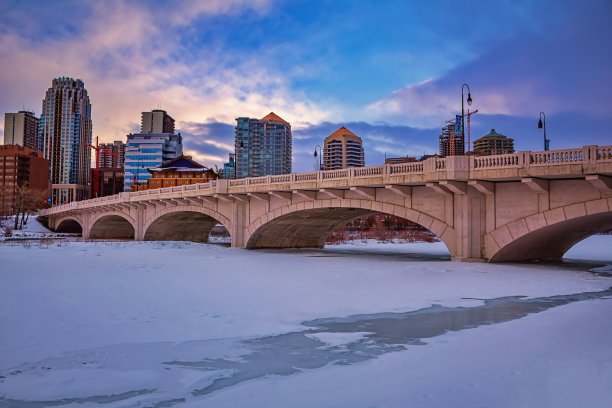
pixel 157 121
pixel 21 129
pixel 343 149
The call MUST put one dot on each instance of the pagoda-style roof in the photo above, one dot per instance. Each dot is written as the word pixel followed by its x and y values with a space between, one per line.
pixel 273 117
pixel 181 163
pixel 493 133
pixel 343 132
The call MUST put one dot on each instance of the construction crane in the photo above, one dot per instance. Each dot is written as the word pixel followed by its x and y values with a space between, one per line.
pixel 469 115
pixel 98 149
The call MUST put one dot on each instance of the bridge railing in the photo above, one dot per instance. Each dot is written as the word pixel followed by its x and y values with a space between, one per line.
pixel 405 168
pixel 439 168
pixel 553 157
pixel 498 161
pixel 604 153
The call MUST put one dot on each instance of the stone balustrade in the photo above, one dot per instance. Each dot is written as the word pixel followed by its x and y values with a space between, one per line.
pixel 459 168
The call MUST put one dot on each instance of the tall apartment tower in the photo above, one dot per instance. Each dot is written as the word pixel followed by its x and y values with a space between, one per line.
pixel 263 146
pixel 65 130
pixel 21 129
pixel 150 148
pixel 156 121
pixel 343 149
pixel 115 160
pixel 451 141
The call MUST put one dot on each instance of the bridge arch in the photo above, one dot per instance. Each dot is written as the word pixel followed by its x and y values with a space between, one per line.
pixel 307 224
pixel 183 223
pixel 112 225
pixel 69 224
pixel 548 234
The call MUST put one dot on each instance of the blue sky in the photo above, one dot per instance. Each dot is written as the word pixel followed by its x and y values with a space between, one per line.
pixel 391 71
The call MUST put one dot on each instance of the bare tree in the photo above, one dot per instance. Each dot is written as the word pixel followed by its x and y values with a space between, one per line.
pixel 26 200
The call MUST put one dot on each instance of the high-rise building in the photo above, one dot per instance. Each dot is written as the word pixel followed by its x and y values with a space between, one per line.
pixel 21 166
pixel 263 146
pixel 145 150
pixel 21 129
pixel 65 130
pixel 343 149
pixel 156 121
pixel 112 155
pixel 228 171
pixel 493 143
pixel 451 140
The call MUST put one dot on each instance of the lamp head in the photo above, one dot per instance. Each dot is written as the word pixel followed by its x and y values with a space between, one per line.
pixel 469 99
pixel 315 153
pixel 540 123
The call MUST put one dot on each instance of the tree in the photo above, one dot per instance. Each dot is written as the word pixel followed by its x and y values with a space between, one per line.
pixel 26 200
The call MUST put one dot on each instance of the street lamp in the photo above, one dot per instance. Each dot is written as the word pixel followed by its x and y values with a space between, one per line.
pixel 320 155
pixel 469 102
pixel 542 124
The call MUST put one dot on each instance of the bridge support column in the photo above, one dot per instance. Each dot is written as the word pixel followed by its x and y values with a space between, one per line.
pixel 140 218
pixel 240 222
pixel 470 222
pixel 86 227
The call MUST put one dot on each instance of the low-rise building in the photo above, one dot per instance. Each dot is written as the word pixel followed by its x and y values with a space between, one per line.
pixel 178 172
pixel 400 160
pixel 110 181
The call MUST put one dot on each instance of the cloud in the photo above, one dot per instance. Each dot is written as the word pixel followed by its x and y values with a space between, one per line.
pixel 132 58
pixel 563 68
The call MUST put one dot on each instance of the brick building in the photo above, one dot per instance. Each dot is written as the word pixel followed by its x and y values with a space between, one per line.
pixel 178 172
pixel 21 166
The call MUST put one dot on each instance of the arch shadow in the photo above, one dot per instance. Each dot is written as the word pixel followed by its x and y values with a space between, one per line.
pixel 182 225
pixel 112 226
pixel 553 241
pixel 70 226
pixel 294 226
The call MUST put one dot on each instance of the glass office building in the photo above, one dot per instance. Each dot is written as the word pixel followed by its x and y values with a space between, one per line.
pixel 65 131
pixel 263 146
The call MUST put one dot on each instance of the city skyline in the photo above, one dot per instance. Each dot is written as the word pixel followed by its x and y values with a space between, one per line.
pixel 390 72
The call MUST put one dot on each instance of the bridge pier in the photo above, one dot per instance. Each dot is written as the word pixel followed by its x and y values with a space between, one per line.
pixel 470 220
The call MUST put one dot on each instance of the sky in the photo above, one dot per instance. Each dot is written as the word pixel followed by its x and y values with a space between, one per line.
pixel 391 71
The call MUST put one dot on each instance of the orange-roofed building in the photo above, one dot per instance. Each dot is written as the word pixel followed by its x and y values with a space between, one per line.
pixel 263 146
pixel 343 149
pixel 178 172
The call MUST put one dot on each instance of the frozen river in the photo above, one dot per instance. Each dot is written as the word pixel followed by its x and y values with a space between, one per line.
pixel 135 324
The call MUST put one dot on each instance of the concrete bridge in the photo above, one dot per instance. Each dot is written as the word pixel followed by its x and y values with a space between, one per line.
pixel 521 206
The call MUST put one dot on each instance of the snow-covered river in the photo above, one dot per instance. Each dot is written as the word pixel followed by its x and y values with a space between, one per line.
pixel 132 324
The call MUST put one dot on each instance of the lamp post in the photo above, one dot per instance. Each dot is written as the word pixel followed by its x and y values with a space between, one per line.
pixel 469 102
pixel 542 124
pixel 320 156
